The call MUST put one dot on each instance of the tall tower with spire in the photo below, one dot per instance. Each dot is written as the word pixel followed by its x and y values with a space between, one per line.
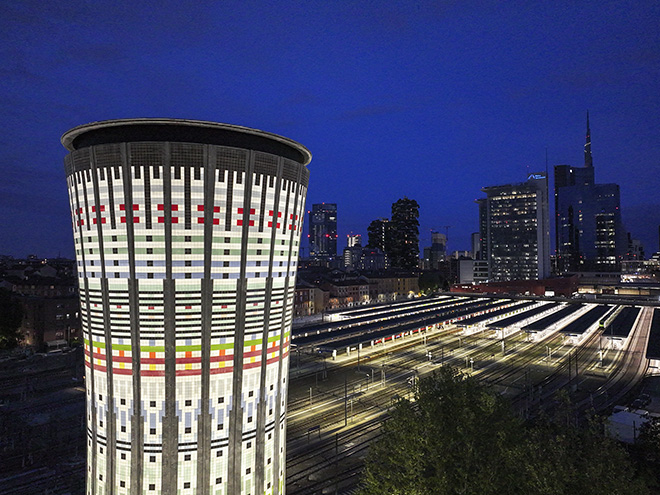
pixel 588 160
pixel 590 235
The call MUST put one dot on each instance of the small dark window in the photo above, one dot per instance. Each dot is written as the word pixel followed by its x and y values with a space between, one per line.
pixel 186 457
pixel 122 402
pixel 258 251
pixel 122 484
pixel 150 263
pixel 219 453
pixel 249 445
pixel 152 431
pixel 152 458
pixel 123 429
pixel 114 238
pixel 218 481
pixel 152 486
pixel 150 250
pixel 260 240
pixel 188 403
pixel 123 456
pixel 188 263
pixel 149 238
pixel 188 429
pixel 188 251
pixel 150 275
pixel 248 470
pixel 188 238
pixel 251 393
pixel 152 403
pixel 188 275
pixel 226 251
pixel 227 239
pixel 221 400
pixel 225 275
pixel 186 484
pixel 115 250
pixel 249 419
pixel 225 263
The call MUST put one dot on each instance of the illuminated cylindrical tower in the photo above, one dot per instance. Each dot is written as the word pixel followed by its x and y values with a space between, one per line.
pixel 186 236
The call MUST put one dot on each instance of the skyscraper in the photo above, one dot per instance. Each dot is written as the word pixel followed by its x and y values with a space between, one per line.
pixel 186 236
pixel 404 225
pixel 515 235
pixel 380 235
pixel 354 240
pixel 323 230
pixel 588 226
pixel 436 252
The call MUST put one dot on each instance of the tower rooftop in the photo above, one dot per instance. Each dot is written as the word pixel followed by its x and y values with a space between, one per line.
pixel 183 130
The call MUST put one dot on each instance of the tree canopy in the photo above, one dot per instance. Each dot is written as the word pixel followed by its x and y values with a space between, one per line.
pixel 458 437
pixel 432 280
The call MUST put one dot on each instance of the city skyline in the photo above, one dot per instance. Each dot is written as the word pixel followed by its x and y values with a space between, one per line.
pixel 428 101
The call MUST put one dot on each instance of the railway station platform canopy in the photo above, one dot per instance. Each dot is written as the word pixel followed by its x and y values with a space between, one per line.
pixel 622 323
pixel 653 349
pixel 512 320
pixel 580 325
pixel 475 320
pixel 548 321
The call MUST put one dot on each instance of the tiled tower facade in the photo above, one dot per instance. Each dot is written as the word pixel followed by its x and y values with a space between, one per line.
pixel 187 236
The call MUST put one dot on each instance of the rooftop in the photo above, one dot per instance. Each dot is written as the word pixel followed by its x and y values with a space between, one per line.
pixel 183 130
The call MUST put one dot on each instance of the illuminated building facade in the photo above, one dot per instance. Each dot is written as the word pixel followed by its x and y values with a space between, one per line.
pixel 323 231
pixel 186 236
pixel 515 233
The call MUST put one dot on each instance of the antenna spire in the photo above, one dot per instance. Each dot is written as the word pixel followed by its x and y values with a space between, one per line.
pixel 588 160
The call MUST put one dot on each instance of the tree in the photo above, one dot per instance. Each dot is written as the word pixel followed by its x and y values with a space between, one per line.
pixel 11 315
pixel 431 281
pixel 404 251
pixel 456 437
pixel 459 437
pixel 647 450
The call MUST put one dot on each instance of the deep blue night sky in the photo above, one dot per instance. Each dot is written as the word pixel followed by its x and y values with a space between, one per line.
pixel 431 100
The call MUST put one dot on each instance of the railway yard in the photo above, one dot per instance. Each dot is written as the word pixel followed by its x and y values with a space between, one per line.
pixel 348 371
pixel 343 381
